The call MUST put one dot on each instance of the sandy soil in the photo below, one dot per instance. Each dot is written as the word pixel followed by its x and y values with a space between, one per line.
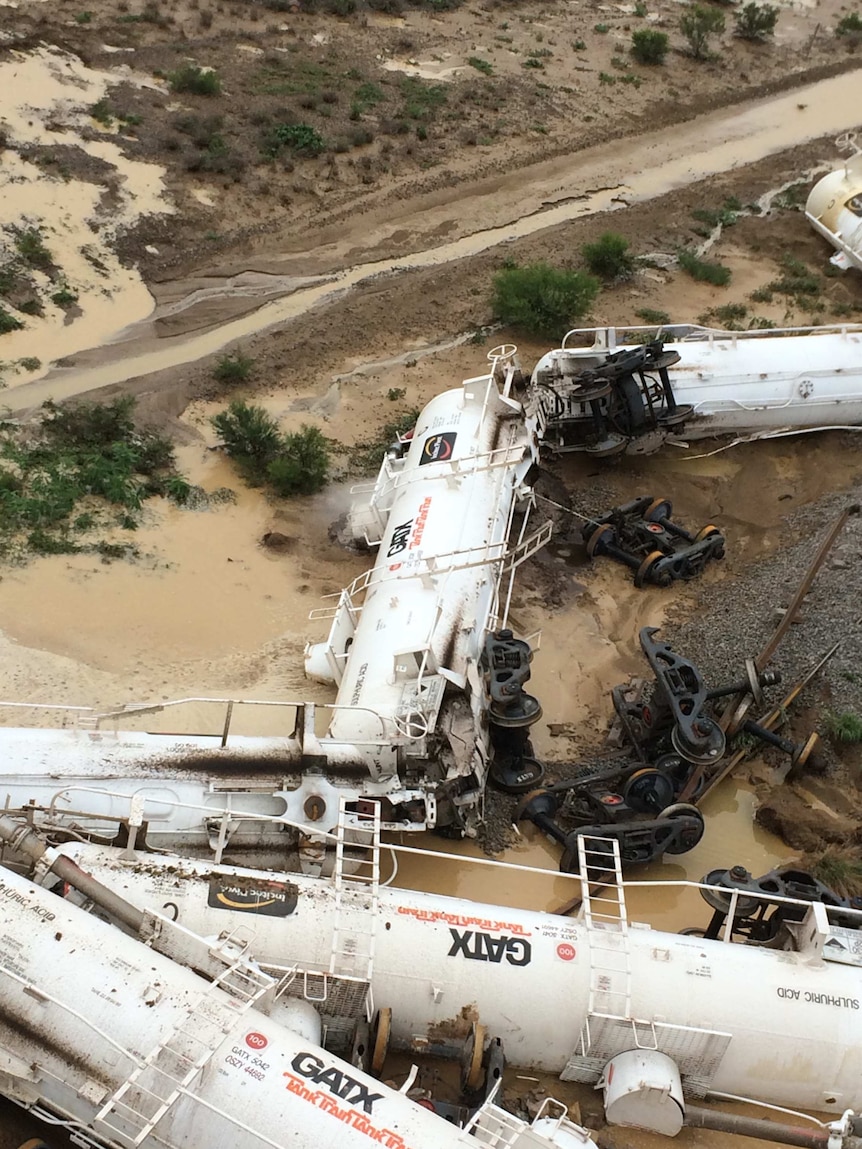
pixel 173 191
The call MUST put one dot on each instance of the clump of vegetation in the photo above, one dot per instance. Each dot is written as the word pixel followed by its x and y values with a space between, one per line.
pixel 840 871
pixel 843 726
pixel 704 270
pixel 65 297
pixel 300 139
pixel 850 26
pixel 796 280
pixel 542 300
pixel 31 248
pixel 369 456
pixel 609 257
pixel 90 453
pixel 233 368
pixel 651 315
pixel 729 315
pixel 699 25
pixel 421 100
pixel 101 112
pixel 198 81
pixel 293 464
pixel 8 322
pixel 649 46
pixel 755 21
pixel 725 216
pixel 481 65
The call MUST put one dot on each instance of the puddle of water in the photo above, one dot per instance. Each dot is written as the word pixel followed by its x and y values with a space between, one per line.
pixel 731 837
pixel 654 164
pixel 46 93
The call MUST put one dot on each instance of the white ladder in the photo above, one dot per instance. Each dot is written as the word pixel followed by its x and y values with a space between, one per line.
pixel 356 893
pixel 138 1105
pixel 604 912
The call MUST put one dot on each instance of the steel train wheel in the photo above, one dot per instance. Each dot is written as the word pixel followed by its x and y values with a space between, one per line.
pixel 381 1032
pixel 688 839
pixel 472 1070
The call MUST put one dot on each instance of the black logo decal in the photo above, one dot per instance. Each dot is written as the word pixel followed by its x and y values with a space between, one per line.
pixel 438 448
pixel 477 946
pixel 399 539
pixel 270 899
pixel 339 1084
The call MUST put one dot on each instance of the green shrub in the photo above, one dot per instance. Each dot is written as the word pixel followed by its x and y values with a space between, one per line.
pixel 542 300
pixel 301 466
pixel 101 112
pixel 703 270
pixel 754 21
pixel 65 297
pixel 234 368
pixel 481 65
pixel 301 139
pixel 198 81
pixel 250 436
pixel 31 247
pixel 850 26
pixel 649 46
pixel 421 100
pixel 8 322
pixel 698 25
pixel 609 257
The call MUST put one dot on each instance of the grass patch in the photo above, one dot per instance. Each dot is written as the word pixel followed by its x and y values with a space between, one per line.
pixel 198 81
pixel 369 455
pixel 704 270
pixel 651 315
pixel 796 280
pixel 842 872
pixel 89 453
pixel 843 726
pixel 101 112
pixel 481 65
pixel 65 297
pixel 31 248
pixel 725 216
pixel 421 100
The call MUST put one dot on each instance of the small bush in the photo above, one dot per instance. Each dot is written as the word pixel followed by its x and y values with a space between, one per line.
pixel 542 300
pixel 649 46
pixel 65 297
pixel 301 466
pixel 698 26
pixel 198 81
pixel 609 257
pixel 31 248
pixel 850 26
pixel 481 65
pixel 101 112
pixel 8 322
pixel 703 270
pixel 300 139
pixel 755 21
pixel 233 368
pixel 250 436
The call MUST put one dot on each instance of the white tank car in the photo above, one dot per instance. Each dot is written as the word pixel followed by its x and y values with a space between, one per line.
pixel 565 997
pixel 129 1048
pixel 409 726
pixel 834 208
pixel 719 382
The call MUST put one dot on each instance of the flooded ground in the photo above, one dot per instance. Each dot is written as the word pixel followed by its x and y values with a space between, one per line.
pixel 358 302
